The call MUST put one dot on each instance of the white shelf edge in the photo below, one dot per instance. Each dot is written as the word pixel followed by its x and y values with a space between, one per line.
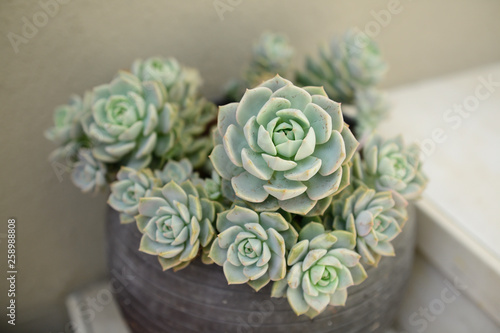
pixel 104 317
pixel 458 255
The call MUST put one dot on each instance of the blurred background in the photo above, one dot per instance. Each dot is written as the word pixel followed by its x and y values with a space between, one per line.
pixel 79 44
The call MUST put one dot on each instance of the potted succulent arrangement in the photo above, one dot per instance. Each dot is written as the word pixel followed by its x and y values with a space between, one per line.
pixel 273 212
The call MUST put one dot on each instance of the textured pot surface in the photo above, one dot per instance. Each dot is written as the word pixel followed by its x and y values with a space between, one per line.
pixel 197 299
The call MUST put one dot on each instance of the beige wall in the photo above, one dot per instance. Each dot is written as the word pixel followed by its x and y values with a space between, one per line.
pixel 60 231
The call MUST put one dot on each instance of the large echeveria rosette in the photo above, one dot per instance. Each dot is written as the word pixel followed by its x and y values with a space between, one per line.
pixel 252 246
pixel 323 266
pixel 374 217
pixel 176 222
pixel 131 185
pixel 130 121
pixel 284 147
pixel 389 165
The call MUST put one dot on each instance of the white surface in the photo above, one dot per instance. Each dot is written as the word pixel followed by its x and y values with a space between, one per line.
pixel 93 310
pixel 465 167
pixel 435 304
pixel 457 255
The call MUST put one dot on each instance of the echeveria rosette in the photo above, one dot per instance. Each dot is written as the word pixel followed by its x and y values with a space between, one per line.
pixel 67 125
pixel 374 217
pixel 212 185
pixel 130 121
pixel 176 222
pixel 67 131
pixel 131 185
pixel 178 171
pixel 350 63
pixel 389 165
pixel 181 83
pixel 284 147
pixel 372 107
pixel 196 116
pixel 323 266
pixel 89 174
pixel 271 54
pixel 252 246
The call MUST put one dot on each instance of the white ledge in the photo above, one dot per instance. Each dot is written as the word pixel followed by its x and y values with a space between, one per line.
pixel 456 121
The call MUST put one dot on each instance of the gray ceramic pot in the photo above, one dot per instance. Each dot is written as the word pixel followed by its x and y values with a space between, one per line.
pixel 197 299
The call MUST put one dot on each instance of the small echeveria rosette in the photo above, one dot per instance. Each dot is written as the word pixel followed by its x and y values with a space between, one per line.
pixel 197 116
pixel 130 121
pixel 176 222
pixel 350 63
pixel 271 54
pixel 181 83
pixel 89 174
pixel 67 131
pixel 284 147
pixel 131 185
pixel 177 171
pixel 212 185
pixel 252 247
pixel 388 165
pixel 67 125
pixel 375 219
pixel 323 266
pixel 372 107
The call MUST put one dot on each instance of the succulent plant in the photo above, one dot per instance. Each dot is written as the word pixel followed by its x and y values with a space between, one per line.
pixel 176 221
pixel 89 174
pixel 181 83
pixel 272 54
pixel 323 266
pixel 181 86
pixel 130 121
pixel 252 247
pixel 374 217
pixel 284 147
pixel 67 131
pixel 372 107
pixel 388 165
pixel 178 171
pixel 196 116
pixel 212 185
pixel 130 186
pixel 350 63
pixel 67 125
